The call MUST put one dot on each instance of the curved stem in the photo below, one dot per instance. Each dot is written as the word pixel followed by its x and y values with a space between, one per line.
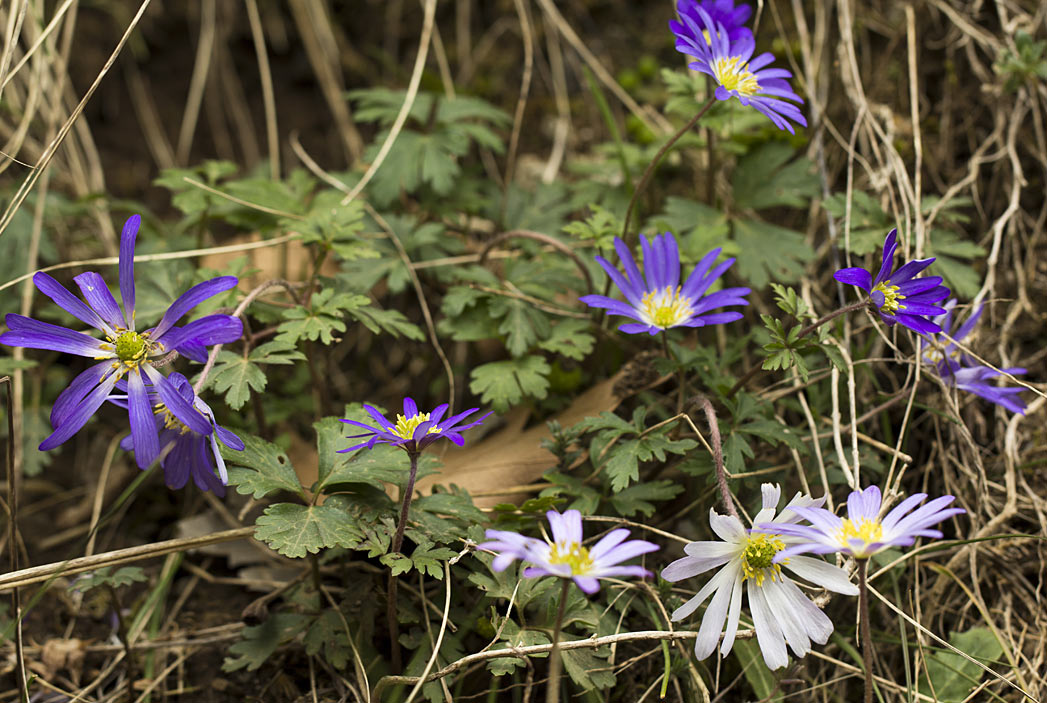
pixel 552 689
pixel 716 444
pixel 863 615
pixel 649 171
pixel 753 371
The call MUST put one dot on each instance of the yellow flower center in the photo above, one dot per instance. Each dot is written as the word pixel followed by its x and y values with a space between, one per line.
pixel 665 308
pixel 170 421
pixel 405 426
pixel 130 347
pixel 890 297
pixel 573 554
pixel 732 74
pixel 868 531
pixel 757 558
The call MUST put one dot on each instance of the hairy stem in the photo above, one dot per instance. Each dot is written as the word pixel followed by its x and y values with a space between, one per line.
pixel 398 540
pixel 649 171
pixel 717 446
pixel 863 616
pixel 681 379
pixel 753 371
pixel 552 689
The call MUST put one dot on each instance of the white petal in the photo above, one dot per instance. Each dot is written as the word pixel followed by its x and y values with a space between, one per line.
pixel 732 618
pixel 687 567
pixel 800 500
pixel 815 623
pixel 787 617
pixel 699 598
pixel 768 634
pixel 771 493
pixel 712 621
pixel 727 527
pixel 822 574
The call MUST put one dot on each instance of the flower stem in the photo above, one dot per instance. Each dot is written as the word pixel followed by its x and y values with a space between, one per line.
pixel 649 171
pixel 753 371
pixel 681 379
pixel 863 616
pixel 717 446
pixel 398 541
pixel 552 689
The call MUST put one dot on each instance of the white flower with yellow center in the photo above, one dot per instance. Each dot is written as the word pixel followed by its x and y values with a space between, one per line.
pixel 781 612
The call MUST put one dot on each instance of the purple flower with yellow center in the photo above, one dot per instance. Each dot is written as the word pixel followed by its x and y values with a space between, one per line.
pixel 183 451
pixel 729 60
pixel 863 533
pixel 125 353
pixel 898 295
pixel 413 430
pixel 690 30
pixel 656 300
pixel 957 368
pixel 565 556
pixel 747 564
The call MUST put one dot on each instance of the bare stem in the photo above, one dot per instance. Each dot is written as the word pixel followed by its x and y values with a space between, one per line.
pixel 753 371
pixel 552 689
pixel 681 379
pixel 649 171
pixel 398 540
pixel 717 445
pixel 863 616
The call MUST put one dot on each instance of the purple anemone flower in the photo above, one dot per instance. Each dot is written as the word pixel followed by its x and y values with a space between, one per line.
pixel 888 289
pixel 957 368
pixel 862 533
pixel 690 31
pixel 737 74
pixel 125 352
pixel 660 302
pixel 565 556
pixel 183 451
pixel 414 430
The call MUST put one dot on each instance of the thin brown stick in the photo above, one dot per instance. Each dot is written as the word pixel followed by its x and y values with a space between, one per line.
pixel 717 447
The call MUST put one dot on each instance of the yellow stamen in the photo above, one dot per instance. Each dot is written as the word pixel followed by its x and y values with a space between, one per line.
pixel 758 556
pixel 665 308
pixel 405 426
pixel 890 297
pixel 734 75
pixel 573 554
pixel 170 421
pixel 868 531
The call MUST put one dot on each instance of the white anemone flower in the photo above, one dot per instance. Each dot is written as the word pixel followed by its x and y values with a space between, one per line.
pixel 781 612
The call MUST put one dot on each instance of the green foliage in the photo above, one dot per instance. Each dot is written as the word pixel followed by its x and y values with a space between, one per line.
pixel 327 637
pixel 294 530
pixel 600 227
pixel 237 375
pixel 767 178
pixel 1026 61
pixel 260 642
pixel 426 152
pixel 771 252
pixel 502 384
pixel 425 558
pixel 869 223
pixel 952 677
pixel 261 469
pixel 787 348
pixel 334 227
pixel 756 672
pixel 105 576
pixel 321 319
pixel 621 465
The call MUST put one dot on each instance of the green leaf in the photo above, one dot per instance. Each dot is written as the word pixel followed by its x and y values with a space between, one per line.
pixel 869 222
pixel 124 576
pixel 294 530
pixel 953 676
pixel 235 376
pixel 700 228
pixel 397 563
pixel 392 321
pixel 570 338
pixel 771 252
pixel 600 227
pixel 635 499
pixel 950 251
pixel 586 668
pixel 522 325
pixel 756 672
pixel 327 634
pixel 260 642
pixel 765 178
pixel 321 320
pixel 267 469
pixel 378 466
pixel 501 384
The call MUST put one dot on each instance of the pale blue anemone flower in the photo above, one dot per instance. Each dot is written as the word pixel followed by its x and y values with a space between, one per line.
pixel 656 300
pixel 124 353
pixel 565 556
pixel 863 533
